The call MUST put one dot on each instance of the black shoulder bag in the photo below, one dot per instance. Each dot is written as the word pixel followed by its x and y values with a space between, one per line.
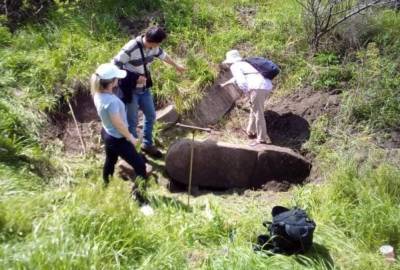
pixel 128 84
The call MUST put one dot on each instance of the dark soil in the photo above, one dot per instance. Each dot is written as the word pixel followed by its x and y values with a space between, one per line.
pixel 18 12
pixel 307 103
pixel 138 25
pixel 389 140
pixel 288 118
pixel 62 126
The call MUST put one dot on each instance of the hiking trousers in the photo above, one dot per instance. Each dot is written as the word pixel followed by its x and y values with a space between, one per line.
pixel 257 124
pixel 120 147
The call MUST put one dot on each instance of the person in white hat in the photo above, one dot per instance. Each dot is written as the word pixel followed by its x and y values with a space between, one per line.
pixel 252 83
pixel 119 142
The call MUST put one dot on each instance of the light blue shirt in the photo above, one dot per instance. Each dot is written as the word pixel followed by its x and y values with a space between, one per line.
pixel 106 105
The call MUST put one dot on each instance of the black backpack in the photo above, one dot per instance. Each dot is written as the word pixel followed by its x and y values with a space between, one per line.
pixel 266 67
pixel 291 231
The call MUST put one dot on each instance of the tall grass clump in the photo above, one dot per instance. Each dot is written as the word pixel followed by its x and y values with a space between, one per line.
pixel 359 198
pixel 374 99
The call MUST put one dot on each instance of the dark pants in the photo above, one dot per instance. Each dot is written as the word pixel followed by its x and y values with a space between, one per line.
pixel 120 147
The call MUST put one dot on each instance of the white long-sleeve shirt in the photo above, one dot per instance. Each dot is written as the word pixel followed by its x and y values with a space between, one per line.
pixel 248 78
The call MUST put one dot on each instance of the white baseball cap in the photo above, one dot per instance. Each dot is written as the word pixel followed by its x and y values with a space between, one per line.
pixel 110 71
pixel 232 56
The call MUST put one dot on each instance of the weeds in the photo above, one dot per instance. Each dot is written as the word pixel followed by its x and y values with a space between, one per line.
pixel 64 219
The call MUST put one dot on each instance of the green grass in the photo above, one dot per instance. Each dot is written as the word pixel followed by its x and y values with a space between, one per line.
pixel 54 213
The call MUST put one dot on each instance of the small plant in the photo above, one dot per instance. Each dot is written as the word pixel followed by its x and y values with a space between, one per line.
pixel 319 134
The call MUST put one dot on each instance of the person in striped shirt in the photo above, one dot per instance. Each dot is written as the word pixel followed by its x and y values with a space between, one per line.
pixel 135 57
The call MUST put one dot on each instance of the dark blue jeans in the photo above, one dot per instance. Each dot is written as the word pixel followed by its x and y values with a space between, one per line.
pixel 143 101
pixel 120 147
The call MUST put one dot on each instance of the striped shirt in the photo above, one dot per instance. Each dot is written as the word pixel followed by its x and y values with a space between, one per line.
pixel 130 58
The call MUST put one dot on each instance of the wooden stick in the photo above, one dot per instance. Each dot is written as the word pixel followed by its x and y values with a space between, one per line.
pixel 5 8
pixel 191 167
pixel 77 128
pixel 193 127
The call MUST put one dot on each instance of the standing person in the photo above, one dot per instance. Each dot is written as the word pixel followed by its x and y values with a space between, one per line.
pixel 257 87
pixel 119 142
pixel 135 57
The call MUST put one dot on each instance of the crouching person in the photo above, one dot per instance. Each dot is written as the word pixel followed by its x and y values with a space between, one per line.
pixel 119 142
pixel 258 86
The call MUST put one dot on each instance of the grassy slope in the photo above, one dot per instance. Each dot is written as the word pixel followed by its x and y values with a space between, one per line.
pixel 61 218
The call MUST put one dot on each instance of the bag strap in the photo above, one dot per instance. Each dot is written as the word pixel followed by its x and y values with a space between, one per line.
pixel 248 73
pixel 140 45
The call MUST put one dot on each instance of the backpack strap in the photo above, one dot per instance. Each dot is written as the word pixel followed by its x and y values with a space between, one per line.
pixel 276 210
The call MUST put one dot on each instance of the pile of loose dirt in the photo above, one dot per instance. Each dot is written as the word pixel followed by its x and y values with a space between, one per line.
pixel 306 103
pixel 288 118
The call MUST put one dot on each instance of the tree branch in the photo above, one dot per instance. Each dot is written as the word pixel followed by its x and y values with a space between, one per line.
pixel 5 8
pixel 349 16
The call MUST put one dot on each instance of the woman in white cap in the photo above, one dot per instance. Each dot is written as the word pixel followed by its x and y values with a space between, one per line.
pixel 119 142
pixel 252 83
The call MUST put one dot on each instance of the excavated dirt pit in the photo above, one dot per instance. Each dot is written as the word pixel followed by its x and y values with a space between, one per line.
pixel 63 127
pixel 288 123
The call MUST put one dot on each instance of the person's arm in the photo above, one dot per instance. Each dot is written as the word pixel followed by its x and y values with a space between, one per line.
pixel 113 111
pixel 119 125
pixel 167 59
pixel 230 81
pixel 239 77
pixel 124 55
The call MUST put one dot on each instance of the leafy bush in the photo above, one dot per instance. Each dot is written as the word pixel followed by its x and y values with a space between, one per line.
pixel 374 99
pixel 5 35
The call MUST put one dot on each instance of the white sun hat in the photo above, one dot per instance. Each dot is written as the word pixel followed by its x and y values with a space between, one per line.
pixel 232 56
pixel 110 71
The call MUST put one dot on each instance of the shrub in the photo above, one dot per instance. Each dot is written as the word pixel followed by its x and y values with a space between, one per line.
pixel 374 99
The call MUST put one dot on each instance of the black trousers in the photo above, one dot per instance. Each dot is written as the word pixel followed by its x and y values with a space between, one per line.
pixel 120 147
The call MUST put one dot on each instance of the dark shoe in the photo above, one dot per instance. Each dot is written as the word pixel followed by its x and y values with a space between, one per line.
pixel 152 151
pixel 138 196
pixel 143 156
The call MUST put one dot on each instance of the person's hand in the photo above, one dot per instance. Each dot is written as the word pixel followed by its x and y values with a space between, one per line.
pixel 133 140
pixel 180 68
pixel 141 79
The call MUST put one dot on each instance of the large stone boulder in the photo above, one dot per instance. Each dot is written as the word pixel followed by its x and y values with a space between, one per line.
pixel 167 115
pixel 216 102
pixel 223 165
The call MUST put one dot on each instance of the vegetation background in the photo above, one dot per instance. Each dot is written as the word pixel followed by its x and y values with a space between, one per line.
pixel 54 213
